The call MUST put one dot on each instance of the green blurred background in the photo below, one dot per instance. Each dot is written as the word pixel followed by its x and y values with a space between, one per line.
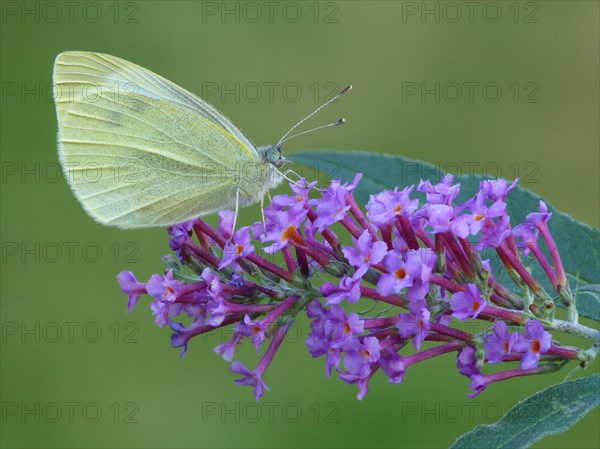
pixel 533 113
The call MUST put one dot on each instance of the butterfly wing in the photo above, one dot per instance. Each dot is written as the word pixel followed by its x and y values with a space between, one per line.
pixel 138 150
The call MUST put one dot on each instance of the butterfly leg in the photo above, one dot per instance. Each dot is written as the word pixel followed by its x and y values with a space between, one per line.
pixel 284 175
pixel 262 211
pixel 237 209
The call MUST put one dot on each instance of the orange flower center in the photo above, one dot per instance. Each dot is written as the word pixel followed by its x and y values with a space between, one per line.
pixel 289 233
pixel 479 217
pixel 536 346
pixel 238 249
pixel 398 208
pixel 476 305
pixel 400 274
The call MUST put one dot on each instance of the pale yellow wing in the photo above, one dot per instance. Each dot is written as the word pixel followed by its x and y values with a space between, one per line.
pixel 148 155
pixel 80 74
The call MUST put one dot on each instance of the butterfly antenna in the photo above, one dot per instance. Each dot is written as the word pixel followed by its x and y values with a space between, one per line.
pixel 336 123
pixel 335 97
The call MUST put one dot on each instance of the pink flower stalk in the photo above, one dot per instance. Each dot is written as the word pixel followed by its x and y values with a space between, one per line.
pixel 422 261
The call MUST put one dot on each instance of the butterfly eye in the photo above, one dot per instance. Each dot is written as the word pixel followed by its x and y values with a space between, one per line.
pixel 274 155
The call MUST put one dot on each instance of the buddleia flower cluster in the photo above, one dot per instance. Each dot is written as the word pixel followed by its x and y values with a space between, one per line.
pixel 385 285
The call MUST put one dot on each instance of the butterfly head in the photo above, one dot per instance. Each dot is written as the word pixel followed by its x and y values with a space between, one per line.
pixel 273 155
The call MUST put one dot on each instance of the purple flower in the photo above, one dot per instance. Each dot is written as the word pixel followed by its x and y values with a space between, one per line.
pixel 480 212
pixel 239 246
pixel 467 304
pixel 333 206
pixel 411 271
pixel 478 384
pixel 331 349
pixel 497 189
pixel 254 377
pixel 282 227
pixel 533 344
pixel 258 230
pixel 227 217
pixel 362 382
pixel 333 358
pixel 527 236
pixel 316 310
pixel 321 333
pixel 317 343
pixel 399 275
pixel 384 207
pixel 131 287
pixel 251 378
pixel 180 233
pixel 164 288
pixel 360 356
pixel 537 218
pixel 442 193
pixel 192 309
pixel 218 308
pixel 365 253
pixel 423 260
pixel 466 361
pixel 182 335
pixel 393 365
pixel 499 343
pixel 297 202
pixel 344 326
pixel 214 286
pixel 494 233
pixel 329 332
pixel 416 324
pixel 161 310
pixel 216 305
pixel 467 365
pixel 252 329
pixel 227 349
pixel 439 217
pixel 330 211
pixel 348 288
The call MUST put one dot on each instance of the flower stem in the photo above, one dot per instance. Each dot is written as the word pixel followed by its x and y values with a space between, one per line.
pixel 360 217
pixel 508 315
pixel 508 257
pixel 541 258
pixel 407 232
pixel 560 271
pixel 270 266
pixel 433 352
pixel 393 300
pixel 576 329
pixel 451 332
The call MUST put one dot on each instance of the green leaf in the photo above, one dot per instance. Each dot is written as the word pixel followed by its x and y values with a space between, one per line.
pixel 548 412
pixel 578 243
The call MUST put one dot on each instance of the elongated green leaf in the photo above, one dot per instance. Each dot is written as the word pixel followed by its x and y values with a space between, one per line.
pixel 548 412
pixel 579 244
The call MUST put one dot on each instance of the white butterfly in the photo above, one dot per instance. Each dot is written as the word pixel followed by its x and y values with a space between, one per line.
pixel 140 151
